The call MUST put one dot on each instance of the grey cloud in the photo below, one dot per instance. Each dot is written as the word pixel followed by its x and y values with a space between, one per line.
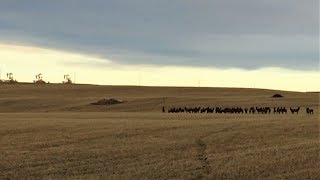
pixel 228 33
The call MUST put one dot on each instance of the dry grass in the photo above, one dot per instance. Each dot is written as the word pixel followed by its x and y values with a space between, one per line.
pixel 58 98
pixel 144 144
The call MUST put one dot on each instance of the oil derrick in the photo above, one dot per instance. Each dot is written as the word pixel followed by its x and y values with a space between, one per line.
pixel 10 79
pixel 39 79
pixel 67 79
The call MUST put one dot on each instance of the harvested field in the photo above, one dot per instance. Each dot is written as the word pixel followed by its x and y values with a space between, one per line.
pixel 58 135
pixel 78 98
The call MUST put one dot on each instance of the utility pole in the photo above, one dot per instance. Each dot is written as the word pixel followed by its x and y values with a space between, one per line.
pixel 74 77
pixel 139 79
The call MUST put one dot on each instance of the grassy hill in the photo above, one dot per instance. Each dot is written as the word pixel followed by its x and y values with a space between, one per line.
pixel 132 140
pixel 61 98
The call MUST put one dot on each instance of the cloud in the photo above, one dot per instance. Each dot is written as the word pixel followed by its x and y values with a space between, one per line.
pixel 25 62
pixel 246 34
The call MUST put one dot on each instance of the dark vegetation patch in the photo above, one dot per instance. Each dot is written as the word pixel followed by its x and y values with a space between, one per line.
pixel 107 102
pixel 277 96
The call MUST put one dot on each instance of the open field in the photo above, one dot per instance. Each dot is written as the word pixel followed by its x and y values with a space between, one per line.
pixel 53 131
pixel 77 98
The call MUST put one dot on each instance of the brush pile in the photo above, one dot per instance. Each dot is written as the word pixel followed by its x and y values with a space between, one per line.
pixel 277 96
pixel 107 102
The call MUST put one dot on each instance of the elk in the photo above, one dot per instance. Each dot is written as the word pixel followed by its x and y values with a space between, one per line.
pixel 295 110
pixel 252 110
pixel 309 111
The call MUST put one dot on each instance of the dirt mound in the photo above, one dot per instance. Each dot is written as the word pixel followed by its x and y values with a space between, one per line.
pixel 277 96
pixel 107 102
pixel 40 82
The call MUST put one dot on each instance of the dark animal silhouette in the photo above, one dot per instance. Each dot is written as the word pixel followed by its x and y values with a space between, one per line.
pixel 295 110
pixel 309 111
pixel 263 110
pixel 281 110
pixel 234 110
pixel 252 110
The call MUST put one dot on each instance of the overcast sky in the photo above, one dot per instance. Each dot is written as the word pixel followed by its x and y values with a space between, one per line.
pixel 247 34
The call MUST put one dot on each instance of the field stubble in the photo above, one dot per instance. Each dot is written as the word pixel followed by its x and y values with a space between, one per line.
pixel 154 145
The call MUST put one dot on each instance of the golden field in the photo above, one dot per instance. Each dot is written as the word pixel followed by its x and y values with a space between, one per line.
pixel 52 131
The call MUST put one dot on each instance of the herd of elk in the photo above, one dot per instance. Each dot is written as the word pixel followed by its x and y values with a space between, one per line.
pixel 235 110
pixel 295 110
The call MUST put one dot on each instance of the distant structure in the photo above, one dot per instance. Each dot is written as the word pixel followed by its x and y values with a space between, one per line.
pixel 67 79
pixel 39 79
pixel 10 79
pixel 10 76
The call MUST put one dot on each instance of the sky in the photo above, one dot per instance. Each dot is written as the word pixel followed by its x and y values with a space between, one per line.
pixel 265 44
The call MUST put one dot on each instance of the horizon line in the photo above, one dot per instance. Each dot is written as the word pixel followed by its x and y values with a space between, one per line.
pixel 159 86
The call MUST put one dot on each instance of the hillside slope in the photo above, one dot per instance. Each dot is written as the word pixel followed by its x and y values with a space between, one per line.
pixel 62 98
